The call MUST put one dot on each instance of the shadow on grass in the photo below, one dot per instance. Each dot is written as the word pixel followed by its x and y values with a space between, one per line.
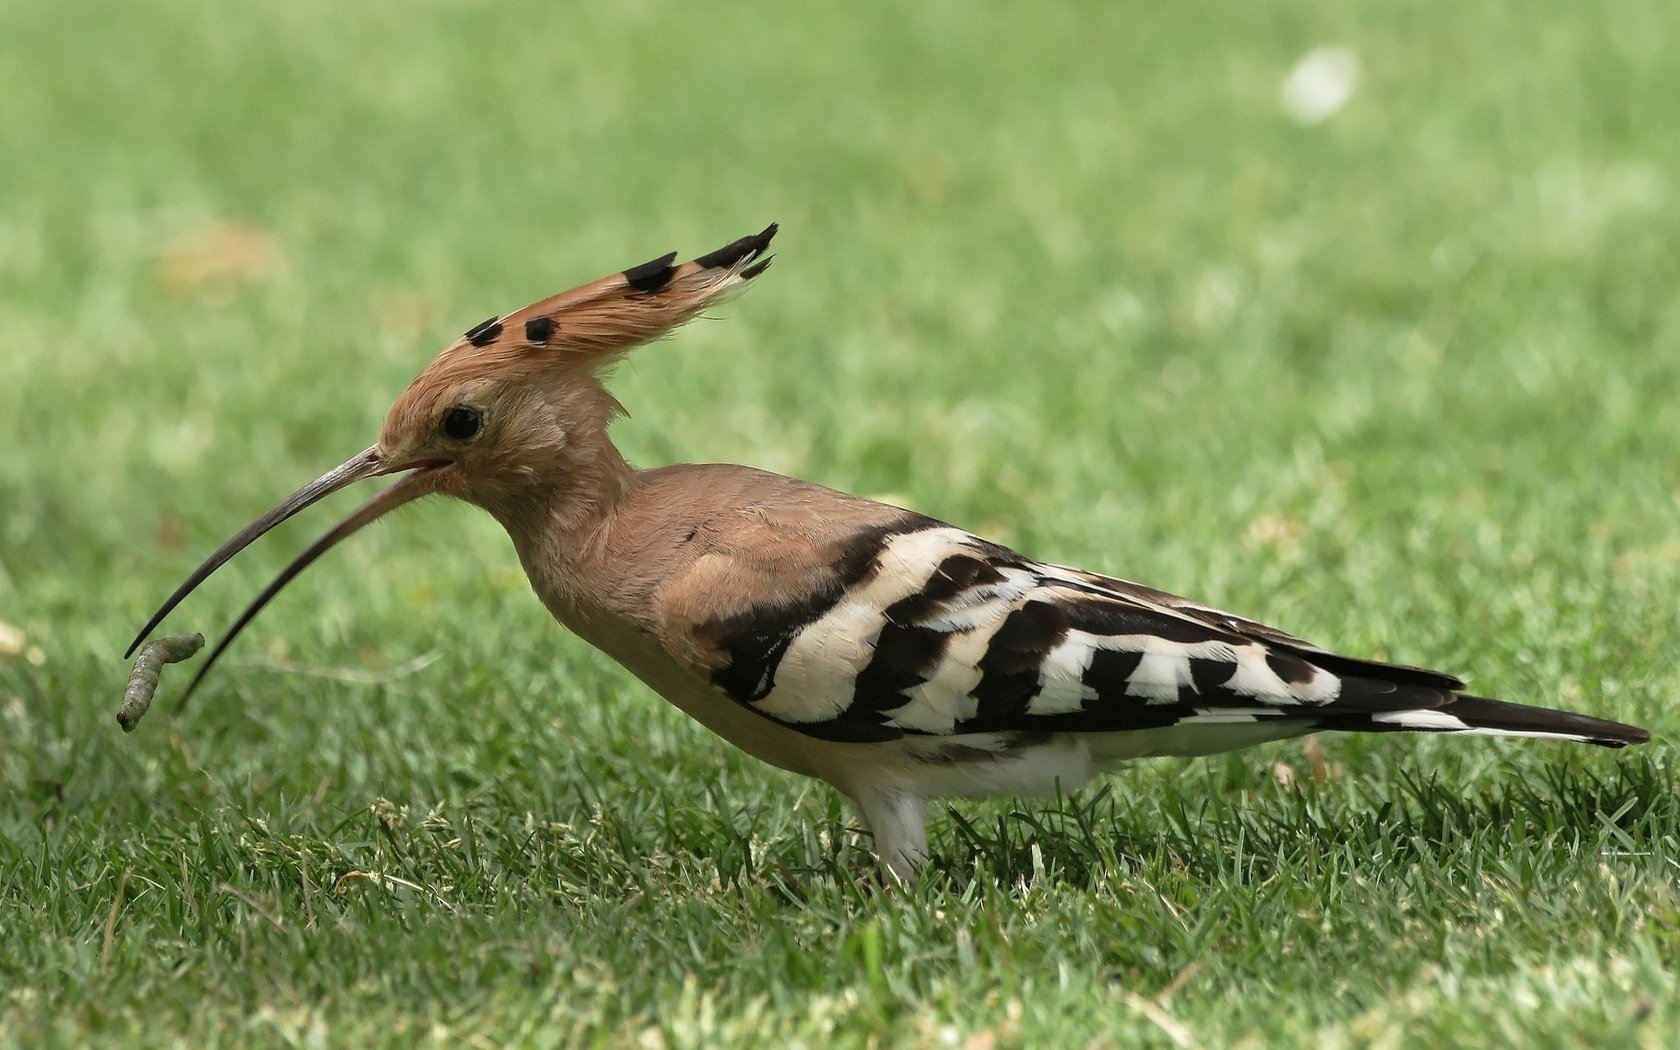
pixel 1255 834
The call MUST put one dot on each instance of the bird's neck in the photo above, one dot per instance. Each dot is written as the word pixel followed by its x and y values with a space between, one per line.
pixel 561 521
pixel 570 507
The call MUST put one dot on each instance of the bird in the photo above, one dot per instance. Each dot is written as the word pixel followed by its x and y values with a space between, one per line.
pixel 894 656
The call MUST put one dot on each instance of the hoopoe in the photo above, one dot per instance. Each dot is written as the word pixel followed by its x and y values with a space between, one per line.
pixel 896 657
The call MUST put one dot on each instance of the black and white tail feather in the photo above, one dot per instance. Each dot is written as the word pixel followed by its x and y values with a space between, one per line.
pixel 935 633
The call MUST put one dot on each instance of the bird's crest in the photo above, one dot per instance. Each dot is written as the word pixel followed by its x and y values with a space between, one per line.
pixel 594 322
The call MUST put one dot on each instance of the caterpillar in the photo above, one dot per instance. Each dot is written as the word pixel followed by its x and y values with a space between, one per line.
pixel 147 666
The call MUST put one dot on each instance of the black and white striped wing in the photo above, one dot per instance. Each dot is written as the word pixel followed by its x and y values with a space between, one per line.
pixel 935 631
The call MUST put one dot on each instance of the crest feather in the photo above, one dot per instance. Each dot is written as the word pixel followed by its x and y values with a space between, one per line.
pixel 621 311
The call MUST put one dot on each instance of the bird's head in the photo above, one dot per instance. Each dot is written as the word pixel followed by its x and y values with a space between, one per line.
pixel 510 413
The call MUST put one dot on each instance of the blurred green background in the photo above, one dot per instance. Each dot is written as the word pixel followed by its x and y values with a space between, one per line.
pixel 1360 319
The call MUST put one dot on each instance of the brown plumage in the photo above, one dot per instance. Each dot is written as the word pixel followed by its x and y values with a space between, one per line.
pixel 890 654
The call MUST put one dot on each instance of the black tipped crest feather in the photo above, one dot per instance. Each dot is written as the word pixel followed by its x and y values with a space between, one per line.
pixel 539 330
pixel 652 275
pixel 741 250
pixel 484 332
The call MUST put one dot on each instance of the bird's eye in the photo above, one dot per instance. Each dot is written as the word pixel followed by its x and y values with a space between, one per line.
pixel 461 422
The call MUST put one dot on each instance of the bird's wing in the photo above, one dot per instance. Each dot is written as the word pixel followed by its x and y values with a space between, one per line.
pixel 915 627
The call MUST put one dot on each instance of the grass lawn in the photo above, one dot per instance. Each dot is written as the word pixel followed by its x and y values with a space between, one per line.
pixel 1405 381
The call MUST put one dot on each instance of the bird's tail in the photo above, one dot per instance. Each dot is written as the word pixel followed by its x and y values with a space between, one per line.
pixel 1483 717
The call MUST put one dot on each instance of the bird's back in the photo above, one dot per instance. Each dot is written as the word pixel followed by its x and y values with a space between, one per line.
pixel 850 621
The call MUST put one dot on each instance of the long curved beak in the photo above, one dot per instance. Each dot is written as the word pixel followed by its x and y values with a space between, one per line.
pixel 363 465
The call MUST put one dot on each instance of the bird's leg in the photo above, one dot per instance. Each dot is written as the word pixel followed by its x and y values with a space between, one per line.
pixel 897 820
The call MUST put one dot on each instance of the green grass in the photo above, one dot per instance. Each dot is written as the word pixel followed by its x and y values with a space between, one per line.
pixel 1406 382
